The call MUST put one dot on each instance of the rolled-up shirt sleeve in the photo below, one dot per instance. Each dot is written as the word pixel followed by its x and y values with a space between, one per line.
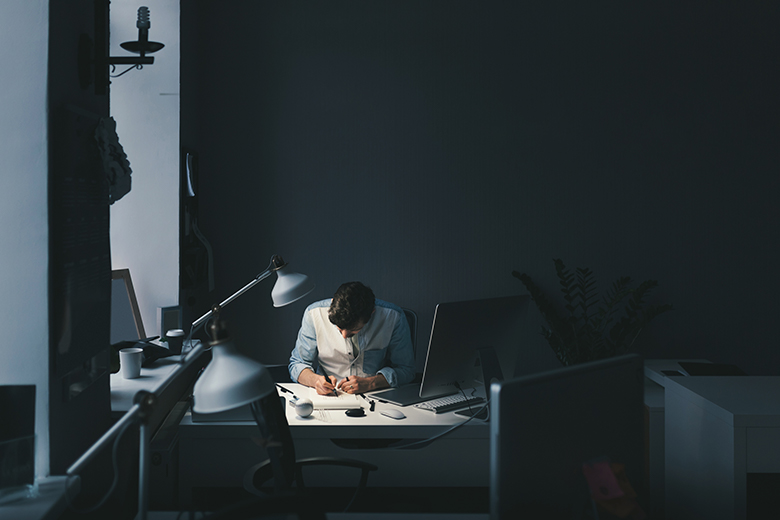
pixel 304 355
pixel 400 355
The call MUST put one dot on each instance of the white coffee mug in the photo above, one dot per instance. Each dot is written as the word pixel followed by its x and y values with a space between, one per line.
pixel 130 360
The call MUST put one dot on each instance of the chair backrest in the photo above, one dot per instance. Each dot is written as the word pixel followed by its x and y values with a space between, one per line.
pixel 411 317
pixel 280 373
pixel 277 441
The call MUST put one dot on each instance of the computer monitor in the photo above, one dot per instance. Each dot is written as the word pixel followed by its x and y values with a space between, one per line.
pixel 460 330
pixel 544 427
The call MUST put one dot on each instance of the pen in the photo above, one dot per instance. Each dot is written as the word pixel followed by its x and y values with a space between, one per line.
pixel 328 378
pixel 283 389
pixel 369 401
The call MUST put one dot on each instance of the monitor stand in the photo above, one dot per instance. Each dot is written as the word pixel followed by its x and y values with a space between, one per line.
pixel 491 373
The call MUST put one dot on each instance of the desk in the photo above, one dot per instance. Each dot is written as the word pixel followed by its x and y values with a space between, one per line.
pixel 163 421
pixel 152 379
pixel 217 454
pixel 718 429
pixel 123 390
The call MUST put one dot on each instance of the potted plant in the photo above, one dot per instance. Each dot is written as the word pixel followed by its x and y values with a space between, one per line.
pixel 593 327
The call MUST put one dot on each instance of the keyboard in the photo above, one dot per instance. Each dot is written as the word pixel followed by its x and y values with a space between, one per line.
pixel 449 403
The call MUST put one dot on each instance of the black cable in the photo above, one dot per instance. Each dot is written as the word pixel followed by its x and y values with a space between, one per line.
pixel 429 440
pixel 115 464
pixel 465 398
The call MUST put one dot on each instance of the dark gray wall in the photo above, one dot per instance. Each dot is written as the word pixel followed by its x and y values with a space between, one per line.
pixel 430 148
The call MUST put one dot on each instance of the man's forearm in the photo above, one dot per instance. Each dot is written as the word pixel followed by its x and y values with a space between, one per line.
pixel 377 382
pixel 307 377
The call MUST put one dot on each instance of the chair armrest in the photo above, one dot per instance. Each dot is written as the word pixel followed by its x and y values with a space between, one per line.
pixel 260 473
pixel 336 461
pixel 256 476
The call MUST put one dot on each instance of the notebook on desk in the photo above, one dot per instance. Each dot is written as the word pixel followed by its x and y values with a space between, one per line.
pixel 343 401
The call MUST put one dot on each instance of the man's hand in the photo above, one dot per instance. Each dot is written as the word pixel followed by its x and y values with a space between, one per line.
pixel 321 384
pixel 359 385
pixel 324 385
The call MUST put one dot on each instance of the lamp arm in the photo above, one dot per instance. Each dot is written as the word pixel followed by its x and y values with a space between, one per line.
pixel 275 264
pixel 144 402
pixel 133 414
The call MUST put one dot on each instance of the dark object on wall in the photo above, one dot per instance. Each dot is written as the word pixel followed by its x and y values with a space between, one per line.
pixel 115 164
pixel 95 54
pixel 196 277
pixel 590 329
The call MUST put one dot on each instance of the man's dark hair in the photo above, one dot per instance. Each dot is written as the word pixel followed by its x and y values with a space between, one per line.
pixel 352 305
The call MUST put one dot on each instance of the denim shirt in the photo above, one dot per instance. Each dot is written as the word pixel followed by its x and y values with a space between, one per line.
pixel 385 345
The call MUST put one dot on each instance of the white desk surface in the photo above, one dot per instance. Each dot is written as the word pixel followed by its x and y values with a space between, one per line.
pixel 742 401
pixel 123 390
pixel 336 424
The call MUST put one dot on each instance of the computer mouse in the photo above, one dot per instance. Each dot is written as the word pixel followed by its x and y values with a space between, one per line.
pixel 355 412
pixel 393 413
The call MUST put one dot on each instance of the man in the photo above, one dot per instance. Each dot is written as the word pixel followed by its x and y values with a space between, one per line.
pixel 359 343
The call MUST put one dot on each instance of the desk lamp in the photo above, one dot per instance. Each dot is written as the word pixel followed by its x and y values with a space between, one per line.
pixel 230 380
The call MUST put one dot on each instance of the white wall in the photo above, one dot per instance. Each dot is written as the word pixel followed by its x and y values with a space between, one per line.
pixel 24 27
pixel 145 105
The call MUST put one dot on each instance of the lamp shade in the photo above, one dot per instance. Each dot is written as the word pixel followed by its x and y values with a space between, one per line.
pixel 230 380
pixel 290 286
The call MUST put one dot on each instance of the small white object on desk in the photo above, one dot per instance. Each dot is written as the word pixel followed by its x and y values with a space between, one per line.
pixel 130 360
pixel 303 407
pixel 393 413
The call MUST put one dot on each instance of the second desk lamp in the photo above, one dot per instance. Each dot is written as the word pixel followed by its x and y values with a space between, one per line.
pixel 231 379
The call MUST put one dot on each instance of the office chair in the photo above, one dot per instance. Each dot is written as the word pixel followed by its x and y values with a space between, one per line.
pixel 279 373
pixel 282 466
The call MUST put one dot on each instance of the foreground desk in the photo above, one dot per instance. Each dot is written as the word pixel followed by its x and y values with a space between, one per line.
pixel 217 454
pixel 123 390
pixel 172 402
pixel 719 429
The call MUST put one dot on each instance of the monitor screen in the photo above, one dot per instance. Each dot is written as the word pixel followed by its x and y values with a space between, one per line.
pixel 544 428
pixel 460 330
